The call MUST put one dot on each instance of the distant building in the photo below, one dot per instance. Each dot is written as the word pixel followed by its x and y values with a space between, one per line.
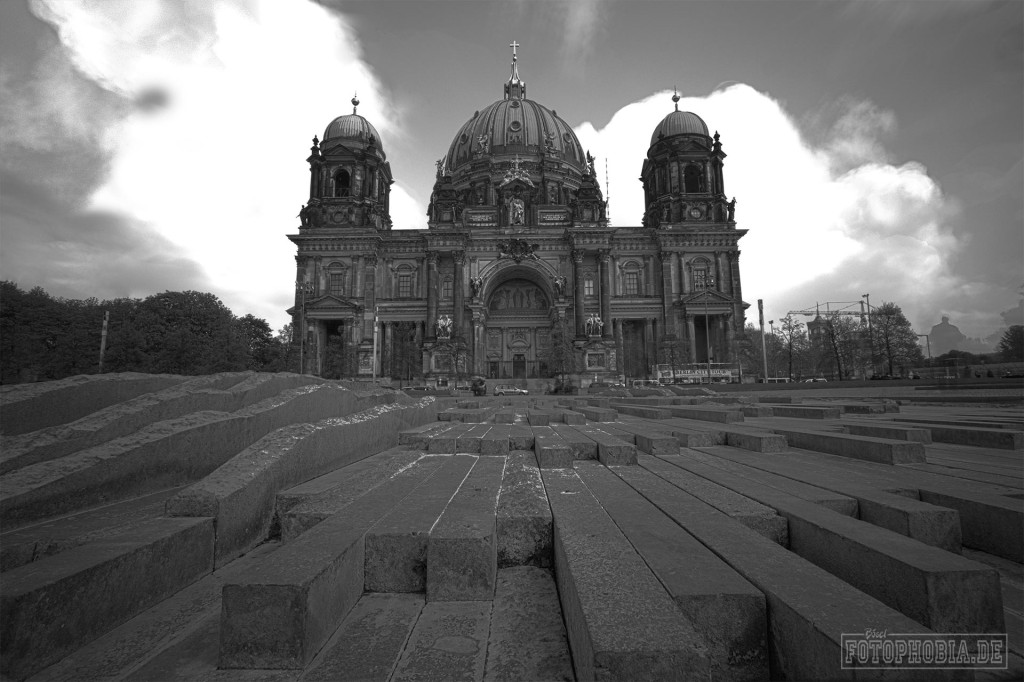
pixel 945 337
pixel 517 253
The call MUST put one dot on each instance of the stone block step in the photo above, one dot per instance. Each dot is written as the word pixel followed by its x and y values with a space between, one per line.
pixel 279 613
pixel 395 548
pixel 446 442
pixel 1003 439
pixel 448 642
pixel 727 611
pixel 523 520
pixel 808 608
pixel 858 408
pixel 597 414
pixel 758 411
pixel 582 447
pixel 241 493
pixel 472 441
pixel 751 514
pixel 887 430
pixel 621 622
pixel 932 525
pixel 611 450
pixel 651 441
pixel 302 507
pixel 53 606
pixel 520 437
pixel 989 520
pixel 690 434
pixel 883 450
pixel 804 412
pixel 496 441
pixel 720 415
pixel 163 454
pixel 466 415
pixel 552 450
pixel 527 638
pixel 938 589
pixel 841 504
pixel 463 548
pixel 539 417
pixel 644 411
pixel 370 640
pixel 30 407
pixel 418 436
pixel 32 543
pixel 572 417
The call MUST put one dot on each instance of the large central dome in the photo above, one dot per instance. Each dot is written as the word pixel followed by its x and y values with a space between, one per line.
pixel 515 125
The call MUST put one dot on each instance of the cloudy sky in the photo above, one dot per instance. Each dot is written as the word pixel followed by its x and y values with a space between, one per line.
pixel 873 147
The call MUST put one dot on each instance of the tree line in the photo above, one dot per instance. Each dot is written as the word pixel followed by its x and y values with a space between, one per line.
pixel 175 332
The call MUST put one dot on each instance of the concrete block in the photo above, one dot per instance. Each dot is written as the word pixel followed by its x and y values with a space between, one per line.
pixel 611 451
pixel 495 441
pixel 598 414
pixel 527 639
pixel 505 417
pixel 282 611
pixel 538 417
pixel 29 407
pixel 370 641
pixel 720 415
pixel 573 417
pixel 53 606
pixel 618 627
pixel 582 447
pixel 727 611
pixel 395 548
pixel 462 550
pixel 758 411
pixel 992 523
pixel 448 642
pixel 520 438
pixel 471 441
pixel 882 450
pixel 932 525
pixel 523 520
pixel 980 437
pixel 552 450
pixel 446 442
pixel 642 411
pixel 888 430
pixel 753 515
pixel 938 589
pixel 648 438
pixel 419 435
pixel 804 412
pixel 808 608
pixel 241 493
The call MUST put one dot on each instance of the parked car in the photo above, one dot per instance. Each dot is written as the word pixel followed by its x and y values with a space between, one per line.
pixel 509 389
pixel 418 389
pixel 814 380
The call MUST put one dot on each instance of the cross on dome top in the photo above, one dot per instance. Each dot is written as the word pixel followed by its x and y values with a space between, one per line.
pixel 515 88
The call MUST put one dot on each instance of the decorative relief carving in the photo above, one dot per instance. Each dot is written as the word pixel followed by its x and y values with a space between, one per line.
pixel 518 295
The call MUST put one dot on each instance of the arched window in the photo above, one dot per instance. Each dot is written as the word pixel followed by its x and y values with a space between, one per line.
pixel 588 285
pixel 446 288
pixel 342 183
pixel 631 280
pixel 336 277
pixel 692 180
pixel 703 278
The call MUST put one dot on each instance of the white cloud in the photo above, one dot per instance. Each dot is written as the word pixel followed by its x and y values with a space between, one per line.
pixel 220 170
pixel 826 222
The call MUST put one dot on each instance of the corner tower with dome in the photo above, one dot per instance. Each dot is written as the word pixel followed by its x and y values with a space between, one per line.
pixel 518 274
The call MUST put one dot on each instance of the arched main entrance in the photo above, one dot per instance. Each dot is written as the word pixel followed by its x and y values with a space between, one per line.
pixel 517 313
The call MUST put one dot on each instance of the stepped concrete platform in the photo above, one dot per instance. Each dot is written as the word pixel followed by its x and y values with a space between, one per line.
pixel 349 532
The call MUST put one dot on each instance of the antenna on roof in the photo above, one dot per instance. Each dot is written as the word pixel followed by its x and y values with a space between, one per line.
pixel 608 193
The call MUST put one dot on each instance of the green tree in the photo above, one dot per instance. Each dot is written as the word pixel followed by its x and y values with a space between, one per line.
pixel 795 343
pixel 673 351
pixel 893 339
pixel 1011 345
pixel 843 337
pixel 563 359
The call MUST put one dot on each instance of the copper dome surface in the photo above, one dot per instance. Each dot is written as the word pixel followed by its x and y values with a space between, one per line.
pixel 680 123
pixel 351 127
pixel 516 126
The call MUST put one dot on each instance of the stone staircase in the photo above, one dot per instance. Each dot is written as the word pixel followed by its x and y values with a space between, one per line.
pixel 298 529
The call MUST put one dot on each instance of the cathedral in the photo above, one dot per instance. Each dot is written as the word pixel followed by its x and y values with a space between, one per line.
pixel 518 274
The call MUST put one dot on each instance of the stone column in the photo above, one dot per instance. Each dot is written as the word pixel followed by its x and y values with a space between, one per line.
pixel 684 275
pixel 431 294
pixel 620 350
pixel 691 333
pixel 479 353
pixel 387 350
pixel 606 293
pixel 370 288
pixel 320 276
pixel 730 338
pixel 664 287
pixel 649 348
pixel 357 277
pixel 724 272
pixel 577 276
pixel 719 285
pixel 737 289
pixel 457 292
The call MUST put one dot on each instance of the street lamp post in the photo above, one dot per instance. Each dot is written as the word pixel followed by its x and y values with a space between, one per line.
pixel 707 281
pixel 302 288
pixel 871 335
pixel 771 325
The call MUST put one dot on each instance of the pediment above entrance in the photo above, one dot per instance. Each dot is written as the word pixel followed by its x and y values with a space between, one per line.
pixel 711 297
pixel 330 305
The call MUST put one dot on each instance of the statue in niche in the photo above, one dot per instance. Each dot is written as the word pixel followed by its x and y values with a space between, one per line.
pixel 357 182
pixel 480 196
pixel 552 193
pixel 594 325
pixel 444 327
pixel 732 209
pixel 483 145
pixel 516 211
pixel 559 286
pixel 476 285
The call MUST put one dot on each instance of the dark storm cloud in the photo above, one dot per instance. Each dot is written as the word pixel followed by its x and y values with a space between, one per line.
pixel 80 253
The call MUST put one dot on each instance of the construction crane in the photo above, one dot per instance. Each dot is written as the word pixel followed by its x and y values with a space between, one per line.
pixel 834 308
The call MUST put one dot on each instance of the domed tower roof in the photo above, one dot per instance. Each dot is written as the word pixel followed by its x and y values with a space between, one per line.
pixel 515 125
pixel 679 123
pixel 353 128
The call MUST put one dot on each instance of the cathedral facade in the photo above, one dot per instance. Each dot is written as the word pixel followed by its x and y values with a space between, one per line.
pixel 518 274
